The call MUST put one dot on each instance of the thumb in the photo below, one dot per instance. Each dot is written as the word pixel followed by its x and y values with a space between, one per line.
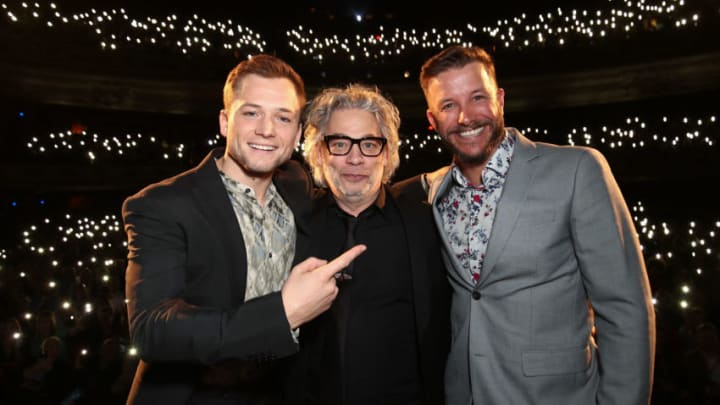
pixel 342 261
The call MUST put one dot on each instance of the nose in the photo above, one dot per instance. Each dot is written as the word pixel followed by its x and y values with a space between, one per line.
pixel 462 118
pixel 265 126
pixel 355 157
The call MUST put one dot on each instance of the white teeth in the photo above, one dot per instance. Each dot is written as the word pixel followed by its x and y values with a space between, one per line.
pixel 262 147
pixel 473 132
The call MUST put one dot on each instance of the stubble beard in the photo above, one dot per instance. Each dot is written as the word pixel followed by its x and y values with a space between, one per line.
pixel 255 169
pixel 341 190
pixel 465 159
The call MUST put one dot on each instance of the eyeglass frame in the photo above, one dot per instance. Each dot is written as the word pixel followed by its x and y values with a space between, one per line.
pixel 328 138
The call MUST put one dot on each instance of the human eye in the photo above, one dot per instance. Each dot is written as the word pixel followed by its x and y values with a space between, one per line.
pixel 339 143
pixel 370 145
pixel 285 119
pixel 250 113
pixel 446 106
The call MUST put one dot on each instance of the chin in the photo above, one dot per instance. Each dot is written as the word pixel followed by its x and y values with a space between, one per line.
pixel 352 195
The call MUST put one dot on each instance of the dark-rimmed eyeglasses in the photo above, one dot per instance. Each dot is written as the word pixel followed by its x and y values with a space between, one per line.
pixel 340 145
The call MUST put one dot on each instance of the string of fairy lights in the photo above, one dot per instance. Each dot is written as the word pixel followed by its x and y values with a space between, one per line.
pixel 519 32
pixel 631 132
pixel 117 28
pixel 697 241
pixel 638 134
pixel 95 146
pixel 67 242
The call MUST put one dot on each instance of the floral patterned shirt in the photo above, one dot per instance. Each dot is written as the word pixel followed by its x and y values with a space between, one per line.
pixel 268 233
pixel 468 211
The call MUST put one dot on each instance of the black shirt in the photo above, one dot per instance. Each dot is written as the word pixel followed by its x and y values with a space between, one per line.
pixel 369 354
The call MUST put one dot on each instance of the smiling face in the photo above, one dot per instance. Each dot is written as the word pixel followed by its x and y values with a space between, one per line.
pixel 262 127
pixel 466 108
pixel 354 179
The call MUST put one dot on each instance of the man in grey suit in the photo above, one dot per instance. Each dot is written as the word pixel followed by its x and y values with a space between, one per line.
pixel 551 302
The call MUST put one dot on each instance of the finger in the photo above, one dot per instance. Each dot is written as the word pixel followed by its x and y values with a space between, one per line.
pixel 342 261
pixel 309 264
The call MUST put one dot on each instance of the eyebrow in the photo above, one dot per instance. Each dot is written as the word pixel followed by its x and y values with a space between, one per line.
pixel 348 136
pixel 258 106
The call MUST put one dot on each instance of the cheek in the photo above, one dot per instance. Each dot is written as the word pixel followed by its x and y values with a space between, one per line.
pixel 379 170
pixel 446 120
pixel 330 168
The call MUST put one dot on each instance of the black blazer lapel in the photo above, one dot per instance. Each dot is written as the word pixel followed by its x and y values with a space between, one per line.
pixel 213 203
pixel 417 221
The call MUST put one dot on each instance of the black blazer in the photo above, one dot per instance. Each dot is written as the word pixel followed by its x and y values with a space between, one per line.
pixel 431 294
pixel 185 285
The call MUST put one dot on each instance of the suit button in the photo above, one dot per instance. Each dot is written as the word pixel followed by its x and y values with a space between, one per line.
pixel 476 295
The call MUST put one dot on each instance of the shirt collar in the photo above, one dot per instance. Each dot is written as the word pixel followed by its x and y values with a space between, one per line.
pixel 239 189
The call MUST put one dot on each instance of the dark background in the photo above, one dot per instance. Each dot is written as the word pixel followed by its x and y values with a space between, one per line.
pixel 657 84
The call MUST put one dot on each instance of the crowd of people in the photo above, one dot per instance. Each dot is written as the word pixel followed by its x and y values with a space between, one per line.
pixel 67 344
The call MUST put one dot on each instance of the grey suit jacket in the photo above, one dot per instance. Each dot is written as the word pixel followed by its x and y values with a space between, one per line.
pixel 562 239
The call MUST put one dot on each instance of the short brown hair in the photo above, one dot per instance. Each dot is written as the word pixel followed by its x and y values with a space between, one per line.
pixel 267 66
pixel 455 57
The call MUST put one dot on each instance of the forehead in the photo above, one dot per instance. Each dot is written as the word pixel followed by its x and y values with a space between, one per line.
pixel 459 81
pixel 274 93
pixel 353 122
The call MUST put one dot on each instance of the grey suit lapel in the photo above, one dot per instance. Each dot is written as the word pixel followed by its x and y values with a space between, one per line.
pixel 517 183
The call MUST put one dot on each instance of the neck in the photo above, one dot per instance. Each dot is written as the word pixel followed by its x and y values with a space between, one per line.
pixel 259 182
pixel 472 172
pixel 354 208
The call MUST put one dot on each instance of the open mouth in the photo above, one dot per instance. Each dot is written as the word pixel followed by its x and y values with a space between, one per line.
pixel 266 148
pixel 473 132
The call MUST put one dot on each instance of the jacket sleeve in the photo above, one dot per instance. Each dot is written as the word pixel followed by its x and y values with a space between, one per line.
pixel 164 325
pixel 614 275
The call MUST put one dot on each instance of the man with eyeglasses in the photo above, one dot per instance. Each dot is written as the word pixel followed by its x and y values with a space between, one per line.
pixel 386 336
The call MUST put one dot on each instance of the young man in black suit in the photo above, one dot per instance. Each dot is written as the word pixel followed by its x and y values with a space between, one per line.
pixel 211 305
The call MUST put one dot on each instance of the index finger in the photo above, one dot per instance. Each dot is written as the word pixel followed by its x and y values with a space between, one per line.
pixel 342 261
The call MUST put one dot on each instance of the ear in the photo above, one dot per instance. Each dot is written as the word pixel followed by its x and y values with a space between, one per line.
pixel 431 119
pixel 501 98
pixel 223 122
